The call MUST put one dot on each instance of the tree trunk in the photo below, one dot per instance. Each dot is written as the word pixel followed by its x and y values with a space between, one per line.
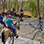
pixel 9 5
pixel 38 7
pixel 36 13
pixel 3 5
pixel 6 4
pixel 43 8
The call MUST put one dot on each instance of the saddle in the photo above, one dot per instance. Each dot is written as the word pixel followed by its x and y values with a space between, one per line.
pixel 10 29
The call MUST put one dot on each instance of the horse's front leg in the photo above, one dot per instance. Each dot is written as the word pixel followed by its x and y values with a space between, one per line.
pixel 10 39
pixel 13 41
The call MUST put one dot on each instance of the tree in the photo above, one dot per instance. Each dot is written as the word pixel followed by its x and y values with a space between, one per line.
pixel 38 7
pixel 3 1
pixel 32 5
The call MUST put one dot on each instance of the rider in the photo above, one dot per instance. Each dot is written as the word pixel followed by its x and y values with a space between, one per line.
pixel 21 12
pixel 10 24
pixel 1 19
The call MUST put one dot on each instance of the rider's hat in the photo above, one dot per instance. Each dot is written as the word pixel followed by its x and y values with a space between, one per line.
pixel 9 16
pixel 0 13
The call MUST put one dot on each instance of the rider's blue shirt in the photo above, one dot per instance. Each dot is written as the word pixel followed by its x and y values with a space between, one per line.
pixel 1 18
pixel 21 10
pixel 9 22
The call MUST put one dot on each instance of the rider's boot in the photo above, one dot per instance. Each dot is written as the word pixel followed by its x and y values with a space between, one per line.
pixel 17 36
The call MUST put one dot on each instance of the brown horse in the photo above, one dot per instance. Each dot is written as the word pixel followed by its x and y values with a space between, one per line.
pixel 8 33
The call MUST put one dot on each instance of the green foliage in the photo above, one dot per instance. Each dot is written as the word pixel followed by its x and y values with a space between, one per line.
pixel 32 4
pixel 26 7
pixel 15 2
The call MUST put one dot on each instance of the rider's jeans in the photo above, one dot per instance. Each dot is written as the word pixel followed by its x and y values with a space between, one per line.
pixel 3 23
pixel 12 27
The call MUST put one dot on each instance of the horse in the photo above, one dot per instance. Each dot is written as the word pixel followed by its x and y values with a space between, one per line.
pixel 8 32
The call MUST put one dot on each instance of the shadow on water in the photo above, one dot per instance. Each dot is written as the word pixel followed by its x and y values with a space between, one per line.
pixel 35 35
pixel 39 28
pixel 31 32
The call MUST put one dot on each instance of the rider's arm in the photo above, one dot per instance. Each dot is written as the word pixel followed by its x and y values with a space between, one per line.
pixel 13 23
